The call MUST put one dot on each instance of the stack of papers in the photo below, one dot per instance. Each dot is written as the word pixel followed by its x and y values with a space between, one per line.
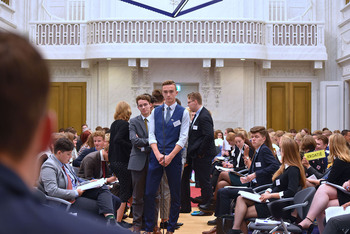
pixel 266 222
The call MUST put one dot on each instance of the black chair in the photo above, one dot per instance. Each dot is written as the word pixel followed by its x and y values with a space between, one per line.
pixel 280 211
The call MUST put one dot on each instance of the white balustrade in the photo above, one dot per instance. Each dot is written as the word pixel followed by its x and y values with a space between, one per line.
pixel 221 32
pixel 56 34
pixel 295 34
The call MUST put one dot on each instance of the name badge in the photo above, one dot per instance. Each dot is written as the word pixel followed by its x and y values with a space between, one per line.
pixel 195 127
pixel 278 182
pixel 258 164
pixel 176 123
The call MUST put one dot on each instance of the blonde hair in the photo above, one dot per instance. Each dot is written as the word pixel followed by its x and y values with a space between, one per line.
pixel 290 157
pixel 122 111
pixel 338 148
pixel 230 136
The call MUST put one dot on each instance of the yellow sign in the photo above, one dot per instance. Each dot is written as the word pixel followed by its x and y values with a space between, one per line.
pixel 315 155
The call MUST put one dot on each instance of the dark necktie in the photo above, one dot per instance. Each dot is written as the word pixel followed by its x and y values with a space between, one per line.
pixel 167 117
pixel 146 124
pixel 103 164
pixel 69 185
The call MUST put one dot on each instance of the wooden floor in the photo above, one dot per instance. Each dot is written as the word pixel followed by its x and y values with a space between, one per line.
pixel 192 224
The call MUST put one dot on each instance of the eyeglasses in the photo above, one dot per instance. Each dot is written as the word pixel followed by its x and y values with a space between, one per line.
pixel 144 105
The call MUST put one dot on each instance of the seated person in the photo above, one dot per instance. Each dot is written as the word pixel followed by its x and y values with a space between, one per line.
pixel 57 179
pixel 286 182
pixel 94 166
pixel 308 145
pixel 243 149
pixel 321 144
pixel 327 195
pixel 262 167
pixel 99 142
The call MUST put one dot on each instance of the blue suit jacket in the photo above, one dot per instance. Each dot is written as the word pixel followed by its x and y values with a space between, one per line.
pixel 264 165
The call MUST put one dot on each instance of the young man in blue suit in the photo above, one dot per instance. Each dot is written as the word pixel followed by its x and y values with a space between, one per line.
pixel 168 131
pixel 24 89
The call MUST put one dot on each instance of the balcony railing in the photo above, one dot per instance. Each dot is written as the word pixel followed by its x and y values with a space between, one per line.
pixel 178 32
pixel 221 32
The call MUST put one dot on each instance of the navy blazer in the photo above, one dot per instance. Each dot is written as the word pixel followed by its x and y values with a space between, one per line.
pixel 201 137
pixel 264 165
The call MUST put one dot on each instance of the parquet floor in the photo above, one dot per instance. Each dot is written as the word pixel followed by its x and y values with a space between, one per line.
pixel 192 224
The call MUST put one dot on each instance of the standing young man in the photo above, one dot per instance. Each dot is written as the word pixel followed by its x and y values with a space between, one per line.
pixel 138 163
pixel 168 131
pixel 201 146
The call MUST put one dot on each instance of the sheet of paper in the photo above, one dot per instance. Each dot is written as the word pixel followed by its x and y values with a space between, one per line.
pixel 92 185
pixel 251 196
pixel 336 211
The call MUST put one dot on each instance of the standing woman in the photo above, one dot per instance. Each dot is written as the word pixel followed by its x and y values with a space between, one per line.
pixel 119 153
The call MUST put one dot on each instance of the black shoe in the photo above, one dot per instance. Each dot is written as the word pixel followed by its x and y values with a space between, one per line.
pixel 164 225
pixel 185 210
pixel 234 231
pixel 111 222
pixel 197 200
pixel 208 207
pixel 125 224
pixel 179 224
pixel 212 222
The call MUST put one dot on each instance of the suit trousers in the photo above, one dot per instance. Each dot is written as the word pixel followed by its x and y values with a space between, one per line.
pixel 224 199
pixel 102 196
pixel 138 184
pixel 185 189
pixel 202 168
pixel 154 176
pixel 164 201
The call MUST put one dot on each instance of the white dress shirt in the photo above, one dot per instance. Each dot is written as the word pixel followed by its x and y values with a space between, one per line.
pixel 185 123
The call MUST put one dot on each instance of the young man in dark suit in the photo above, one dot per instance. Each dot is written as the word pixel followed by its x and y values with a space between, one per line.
pixel 201 146
pixel 24 92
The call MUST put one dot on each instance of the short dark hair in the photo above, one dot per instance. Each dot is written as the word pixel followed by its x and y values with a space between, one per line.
pixel 71 130
pixel 157 94
pixel 344 132
pixel 323 138
pixel 143 97
pixel 63 145
pixel 24 89
pixel 308 143
pixel 169 82
pixel 195 96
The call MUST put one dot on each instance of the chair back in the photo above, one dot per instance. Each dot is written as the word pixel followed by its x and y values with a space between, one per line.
pixel 305 195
